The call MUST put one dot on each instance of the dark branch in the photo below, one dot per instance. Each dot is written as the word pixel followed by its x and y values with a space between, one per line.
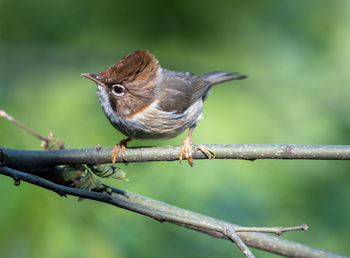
pixel 36 159
pixel 166 213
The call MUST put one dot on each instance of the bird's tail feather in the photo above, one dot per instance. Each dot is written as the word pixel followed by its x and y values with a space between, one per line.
pixel 219 77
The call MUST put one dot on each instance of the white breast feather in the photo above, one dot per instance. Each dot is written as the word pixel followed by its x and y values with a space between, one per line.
pixel 152 123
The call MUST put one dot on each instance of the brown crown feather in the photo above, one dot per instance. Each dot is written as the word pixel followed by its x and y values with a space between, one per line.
pixel 139 65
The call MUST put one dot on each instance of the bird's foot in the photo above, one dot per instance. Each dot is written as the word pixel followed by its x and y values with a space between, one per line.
pixel 187 150
pixel 120 146
pixel 206 151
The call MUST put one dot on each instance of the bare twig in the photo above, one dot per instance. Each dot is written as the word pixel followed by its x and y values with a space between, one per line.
pixel 11 119
pixel 29 159
pixel 167 213
pixel 275 230
pixel 168 153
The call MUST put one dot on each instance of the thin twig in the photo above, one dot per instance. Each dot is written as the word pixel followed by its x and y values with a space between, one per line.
pixel 167 213
pixel 12 120
pixel 275 230
pixel 170 153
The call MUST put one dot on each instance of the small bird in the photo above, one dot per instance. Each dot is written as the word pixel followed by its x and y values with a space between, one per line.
pixel 145 101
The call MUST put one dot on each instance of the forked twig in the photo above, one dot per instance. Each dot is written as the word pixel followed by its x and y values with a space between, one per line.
pixel 232 235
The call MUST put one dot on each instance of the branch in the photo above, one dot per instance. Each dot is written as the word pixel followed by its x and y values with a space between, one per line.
pixel 43 163
pixel 36 159
pixel 164 212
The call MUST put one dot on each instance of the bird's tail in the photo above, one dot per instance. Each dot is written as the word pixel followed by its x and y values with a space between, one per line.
pixel 219 77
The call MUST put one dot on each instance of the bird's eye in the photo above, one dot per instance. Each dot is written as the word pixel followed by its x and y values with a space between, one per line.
pixel 118 89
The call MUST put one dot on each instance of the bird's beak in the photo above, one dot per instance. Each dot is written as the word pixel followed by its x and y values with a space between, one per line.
pixel 93 76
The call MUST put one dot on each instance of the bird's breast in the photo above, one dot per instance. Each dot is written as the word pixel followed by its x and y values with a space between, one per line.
pixel 151 122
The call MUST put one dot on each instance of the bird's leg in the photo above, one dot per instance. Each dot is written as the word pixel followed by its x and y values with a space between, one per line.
pixel 121 145
pixel 187 148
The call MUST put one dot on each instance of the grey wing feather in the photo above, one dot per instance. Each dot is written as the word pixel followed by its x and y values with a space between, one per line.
pixel 176 91
pixel 180 90
pixel 200 88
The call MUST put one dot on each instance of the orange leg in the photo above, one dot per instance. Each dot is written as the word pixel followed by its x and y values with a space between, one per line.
pixel 121 145
pixel 187 148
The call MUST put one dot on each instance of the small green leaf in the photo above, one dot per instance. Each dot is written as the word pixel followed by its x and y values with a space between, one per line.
pixel 80 176
pixel 108 171
pixel 51 143
pixel 88 182
pixel 72 173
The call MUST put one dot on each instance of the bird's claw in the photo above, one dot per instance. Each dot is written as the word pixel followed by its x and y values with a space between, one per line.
pixel 120 146
pixel 206 151
pixel 187 150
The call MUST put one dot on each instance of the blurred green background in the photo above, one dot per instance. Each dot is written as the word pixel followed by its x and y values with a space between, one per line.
pixel 296 54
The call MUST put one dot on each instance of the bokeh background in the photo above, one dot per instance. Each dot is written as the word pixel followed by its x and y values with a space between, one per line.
pixel 296 54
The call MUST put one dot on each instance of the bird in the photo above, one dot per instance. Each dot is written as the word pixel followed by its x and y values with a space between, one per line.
pixel 144 101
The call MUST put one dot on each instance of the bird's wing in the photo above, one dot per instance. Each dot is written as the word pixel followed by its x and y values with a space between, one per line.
pixel 180 90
